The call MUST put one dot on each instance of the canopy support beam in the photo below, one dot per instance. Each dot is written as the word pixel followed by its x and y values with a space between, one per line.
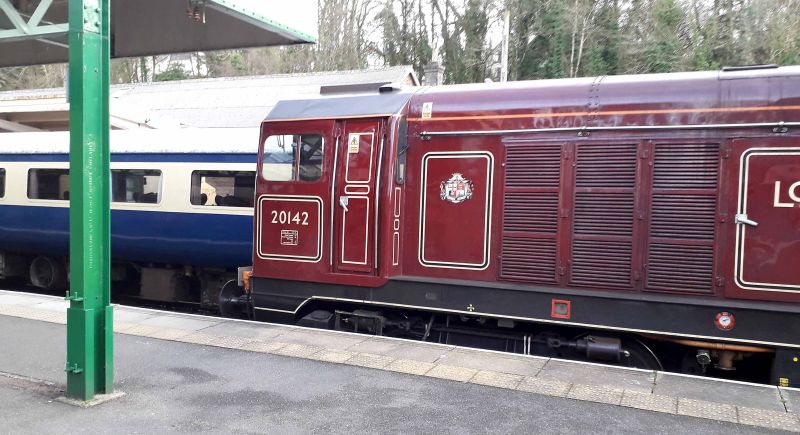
pixel 31 29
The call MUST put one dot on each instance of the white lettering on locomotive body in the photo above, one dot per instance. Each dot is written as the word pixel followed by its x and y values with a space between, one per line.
pixel 792 192
pixel 288 217
pixel 289 237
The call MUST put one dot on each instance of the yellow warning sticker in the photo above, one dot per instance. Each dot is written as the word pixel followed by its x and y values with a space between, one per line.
pixel 427 110
pixel 353 143
pixel 784 382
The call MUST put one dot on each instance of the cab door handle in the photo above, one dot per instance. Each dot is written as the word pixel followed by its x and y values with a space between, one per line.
pixel 742 219
pixel 343 201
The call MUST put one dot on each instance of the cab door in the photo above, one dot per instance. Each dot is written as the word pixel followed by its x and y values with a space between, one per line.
pixel 767 221
pixel 355 195
pixel 291 210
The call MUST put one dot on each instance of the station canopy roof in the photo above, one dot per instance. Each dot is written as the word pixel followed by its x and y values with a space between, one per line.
pixel 36 31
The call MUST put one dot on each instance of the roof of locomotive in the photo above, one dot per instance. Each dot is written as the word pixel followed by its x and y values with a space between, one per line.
pixel 343 106
pixel 142 141
pixel 755 94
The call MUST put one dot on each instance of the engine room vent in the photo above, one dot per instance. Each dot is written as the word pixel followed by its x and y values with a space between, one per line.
pixel 602 245
pixel 530 215
pixel 680 254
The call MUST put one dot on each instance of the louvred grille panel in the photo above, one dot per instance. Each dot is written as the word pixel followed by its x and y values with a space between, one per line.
pixel 683 216
pixel 690 267
pixel 603 218
pixel 601 264
pixel 606 214
pixel 686 166
pixel 606 166
pixel 533 165
pixel 529 259
pixel 530 214
pixel 680 254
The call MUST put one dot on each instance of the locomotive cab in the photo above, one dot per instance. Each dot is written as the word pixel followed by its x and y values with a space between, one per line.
pixel 321 172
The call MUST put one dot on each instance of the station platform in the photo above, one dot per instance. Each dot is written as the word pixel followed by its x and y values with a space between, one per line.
pixel 182 372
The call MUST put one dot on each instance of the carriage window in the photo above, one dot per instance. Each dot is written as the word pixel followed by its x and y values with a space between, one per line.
pixel 48 184
pixel 223 188
pixel 293 157
pixel 136 186
pixel 2 183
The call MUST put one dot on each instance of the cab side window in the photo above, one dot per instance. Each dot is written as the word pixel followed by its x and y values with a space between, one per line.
pixel 293 157
pixel 2 183
pixel 50 184
pixel 223 188
pixel 136 186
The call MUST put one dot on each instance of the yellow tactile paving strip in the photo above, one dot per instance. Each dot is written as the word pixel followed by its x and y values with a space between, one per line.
pixel 290 341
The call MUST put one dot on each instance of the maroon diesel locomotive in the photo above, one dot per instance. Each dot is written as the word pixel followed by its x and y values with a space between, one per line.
pixel 650 221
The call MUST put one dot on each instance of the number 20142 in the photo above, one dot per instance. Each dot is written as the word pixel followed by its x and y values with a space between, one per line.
pixel 287 217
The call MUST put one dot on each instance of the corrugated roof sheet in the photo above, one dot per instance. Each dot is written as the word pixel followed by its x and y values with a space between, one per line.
pixel 225 102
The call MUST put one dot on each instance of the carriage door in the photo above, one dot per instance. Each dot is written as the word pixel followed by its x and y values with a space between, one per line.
pixel 355 196
pixel 768 218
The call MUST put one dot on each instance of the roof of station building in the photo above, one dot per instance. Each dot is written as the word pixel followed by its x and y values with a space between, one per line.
pixel 230 102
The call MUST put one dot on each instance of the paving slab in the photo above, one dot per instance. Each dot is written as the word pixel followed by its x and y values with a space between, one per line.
pixel 719 391
pixel 179 322
pixel 329 340
pixel 598 375
pixel 297 350
pixel 124 314
pixel 791 399
pixel 263 347
pixel 248 330
pixel 401 348
pixel 594 393
pixel 650 402
pixel 771 419
pixel 453 373
pixel 544 386
pixel 369 360
pixel 706 409
pixel 23 299
pixel 496 379
pixel 482 360
pixel 332 356
pixel 410 367
pixel 60 306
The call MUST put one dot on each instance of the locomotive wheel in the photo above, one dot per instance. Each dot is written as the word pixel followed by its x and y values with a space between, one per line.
pixel 48 273
pixel 641 356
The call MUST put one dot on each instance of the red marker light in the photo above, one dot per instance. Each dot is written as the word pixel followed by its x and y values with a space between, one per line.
pixel 560 309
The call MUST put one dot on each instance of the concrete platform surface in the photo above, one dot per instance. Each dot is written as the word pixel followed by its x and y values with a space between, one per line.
pixel 185 372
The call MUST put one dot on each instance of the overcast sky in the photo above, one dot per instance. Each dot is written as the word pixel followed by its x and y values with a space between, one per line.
pixel 297 14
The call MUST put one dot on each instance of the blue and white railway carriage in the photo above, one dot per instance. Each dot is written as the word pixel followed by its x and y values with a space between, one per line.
pixel 181 209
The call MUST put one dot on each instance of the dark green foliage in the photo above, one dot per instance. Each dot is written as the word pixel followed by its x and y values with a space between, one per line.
pixel 174 72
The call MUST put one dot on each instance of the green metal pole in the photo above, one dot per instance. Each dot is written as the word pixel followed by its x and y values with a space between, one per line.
pixel 90 368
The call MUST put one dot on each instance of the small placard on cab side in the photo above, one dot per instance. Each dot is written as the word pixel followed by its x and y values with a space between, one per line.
pixel 353 143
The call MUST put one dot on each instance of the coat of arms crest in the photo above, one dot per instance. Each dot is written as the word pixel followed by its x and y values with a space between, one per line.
pixel 457 189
